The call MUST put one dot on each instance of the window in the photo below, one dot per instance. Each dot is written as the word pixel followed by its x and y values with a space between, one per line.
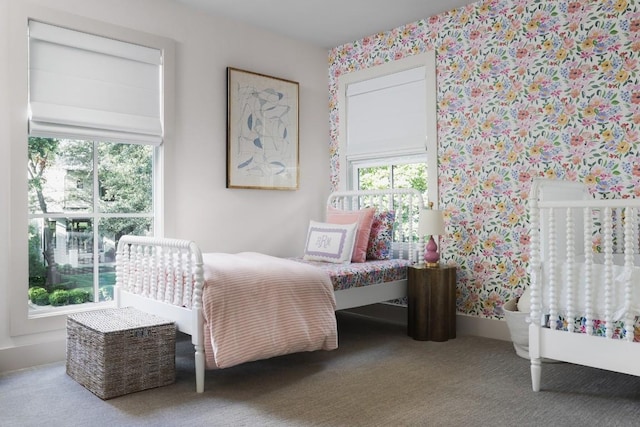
pixel 73 231
pixel 87 189
pixel 409 172
pixel 99 100
pixel 387 126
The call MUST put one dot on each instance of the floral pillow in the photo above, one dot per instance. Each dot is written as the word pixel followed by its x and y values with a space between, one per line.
pixel 379 246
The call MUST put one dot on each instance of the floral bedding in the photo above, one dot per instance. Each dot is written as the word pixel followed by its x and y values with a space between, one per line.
pixel 599 327
pixel 354 275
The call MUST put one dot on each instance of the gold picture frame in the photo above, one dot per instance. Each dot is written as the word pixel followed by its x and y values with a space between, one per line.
pixel 262 131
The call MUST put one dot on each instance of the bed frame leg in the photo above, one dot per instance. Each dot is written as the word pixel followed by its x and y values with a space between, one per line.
pixel 199 368
pixel 536 372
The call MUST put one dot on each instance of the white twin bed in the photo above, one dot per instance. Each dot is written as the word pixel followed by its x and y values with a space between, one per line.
pixel 585 279
pixel 250 306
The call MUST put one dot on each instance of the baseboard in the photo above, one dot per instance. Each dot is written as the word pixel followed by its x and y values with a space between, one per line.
pixel 465 324
pixel 14 358
pixel 482 327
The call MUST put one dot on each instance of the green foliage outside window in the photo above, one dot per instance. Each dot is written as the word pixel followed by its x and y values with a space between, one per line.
pixel 411 175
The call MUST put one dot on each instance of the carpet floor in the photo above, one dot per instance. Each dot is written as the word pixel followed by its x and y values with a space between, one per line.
pixel 377 377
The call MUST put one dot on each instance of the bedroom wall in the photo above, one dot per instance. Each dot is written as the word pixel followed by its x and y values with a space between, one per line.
pixel 198 206
pixel 525 89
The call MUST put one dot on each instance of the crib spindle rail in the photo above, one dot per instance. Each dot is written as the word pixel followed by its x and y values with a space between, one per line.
pixel 588 277
pixel 584 278
pixel 588 265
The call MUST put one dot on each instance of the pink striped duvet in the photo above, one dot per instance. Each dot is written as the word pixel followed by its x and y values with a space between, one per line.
pixel 257 306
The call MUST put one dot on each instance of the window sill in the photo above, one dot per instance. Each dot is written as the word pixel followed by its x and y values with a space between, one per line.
pixel 40 311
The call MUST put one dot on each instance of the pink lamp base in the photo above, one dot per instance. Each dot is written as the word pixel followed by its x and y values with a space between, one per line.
pixel 431 255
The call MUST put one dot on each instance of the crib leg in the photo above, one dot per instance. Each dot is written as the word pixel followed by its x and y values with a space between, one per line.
pixel 199 368
pixel 536 372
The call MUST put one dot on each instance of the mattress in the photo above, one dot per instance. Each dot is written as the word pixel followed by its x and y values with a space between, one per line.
pixel 619 274
pixel 355 275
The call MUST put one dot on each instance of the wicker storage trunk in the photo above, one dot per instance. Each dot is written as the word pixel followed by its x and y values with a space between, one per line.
pixel 118 351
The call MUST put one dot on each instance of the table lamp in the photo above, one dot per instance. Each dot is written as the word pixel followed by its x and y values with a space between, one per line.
pixel 431 224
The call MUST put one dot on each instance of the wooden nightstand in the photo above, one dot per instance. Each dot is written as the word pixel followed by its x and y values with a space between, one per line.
pixel 432 303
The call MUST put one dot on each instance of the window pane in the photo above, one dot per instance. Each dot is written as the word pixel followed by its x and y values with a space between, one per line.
pixel 125 178
pixel 58 242
pixel 60 259
pixel 412 175
pixel 59 175
pixel 110 230
pixel 374 178
pixel 37 250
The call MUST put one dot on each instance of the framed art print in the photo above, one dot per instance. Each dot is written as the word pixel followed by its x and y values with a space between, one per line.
pixel 262 131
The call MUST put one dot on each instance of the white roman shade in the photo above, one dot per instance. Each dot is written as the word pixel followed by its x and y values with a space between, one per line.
pixel 87 86
pixel 387 115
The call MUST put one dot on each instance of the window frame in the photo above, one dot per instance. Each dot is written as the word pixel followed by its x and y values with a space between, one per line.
pixel 95 215
pixel 20 14
pixel 347 172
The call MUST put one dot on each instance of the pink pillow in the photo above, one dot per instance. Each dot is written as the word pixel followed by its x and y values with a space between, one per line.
pixel 364 218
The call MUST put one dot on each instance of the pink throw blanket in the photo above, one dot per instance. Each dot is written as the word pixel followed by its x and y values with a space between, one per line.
pixel 257 306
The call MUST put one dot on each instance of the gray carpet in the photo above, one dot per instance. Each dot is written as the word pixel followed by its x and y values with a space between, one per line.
pixel 378 377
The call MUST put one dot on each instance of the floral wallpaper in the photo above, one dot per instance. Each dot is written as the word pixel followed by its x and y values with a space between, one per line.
pixel 526 89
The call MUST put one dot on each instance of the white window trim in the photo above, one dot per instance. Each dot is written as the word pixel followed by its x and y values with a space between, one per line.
pixel 427 59
pixel 20 13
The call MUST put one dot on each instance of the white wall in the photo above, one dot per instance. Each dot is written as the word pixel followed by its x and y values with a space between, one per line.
pixel 197 204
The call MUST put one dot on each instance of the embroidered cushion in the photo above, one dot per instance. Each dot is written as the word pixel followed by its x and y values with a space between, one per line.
pixel 330 242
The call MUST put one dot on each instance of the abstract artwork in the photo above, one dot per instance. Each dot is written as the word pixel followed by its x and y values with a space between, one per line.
pixel 262 131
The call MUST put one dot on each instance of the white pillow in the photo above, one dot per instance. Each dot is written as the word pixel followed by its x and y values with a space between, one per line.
pixel 330 242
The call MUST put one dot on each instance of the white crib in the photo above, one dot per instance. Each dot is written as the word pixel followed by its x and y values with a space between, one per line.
pixel 585 279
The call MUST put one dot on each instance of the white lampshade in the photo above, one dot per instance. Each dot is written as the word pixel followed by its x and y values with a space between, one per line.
pixel 431 222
